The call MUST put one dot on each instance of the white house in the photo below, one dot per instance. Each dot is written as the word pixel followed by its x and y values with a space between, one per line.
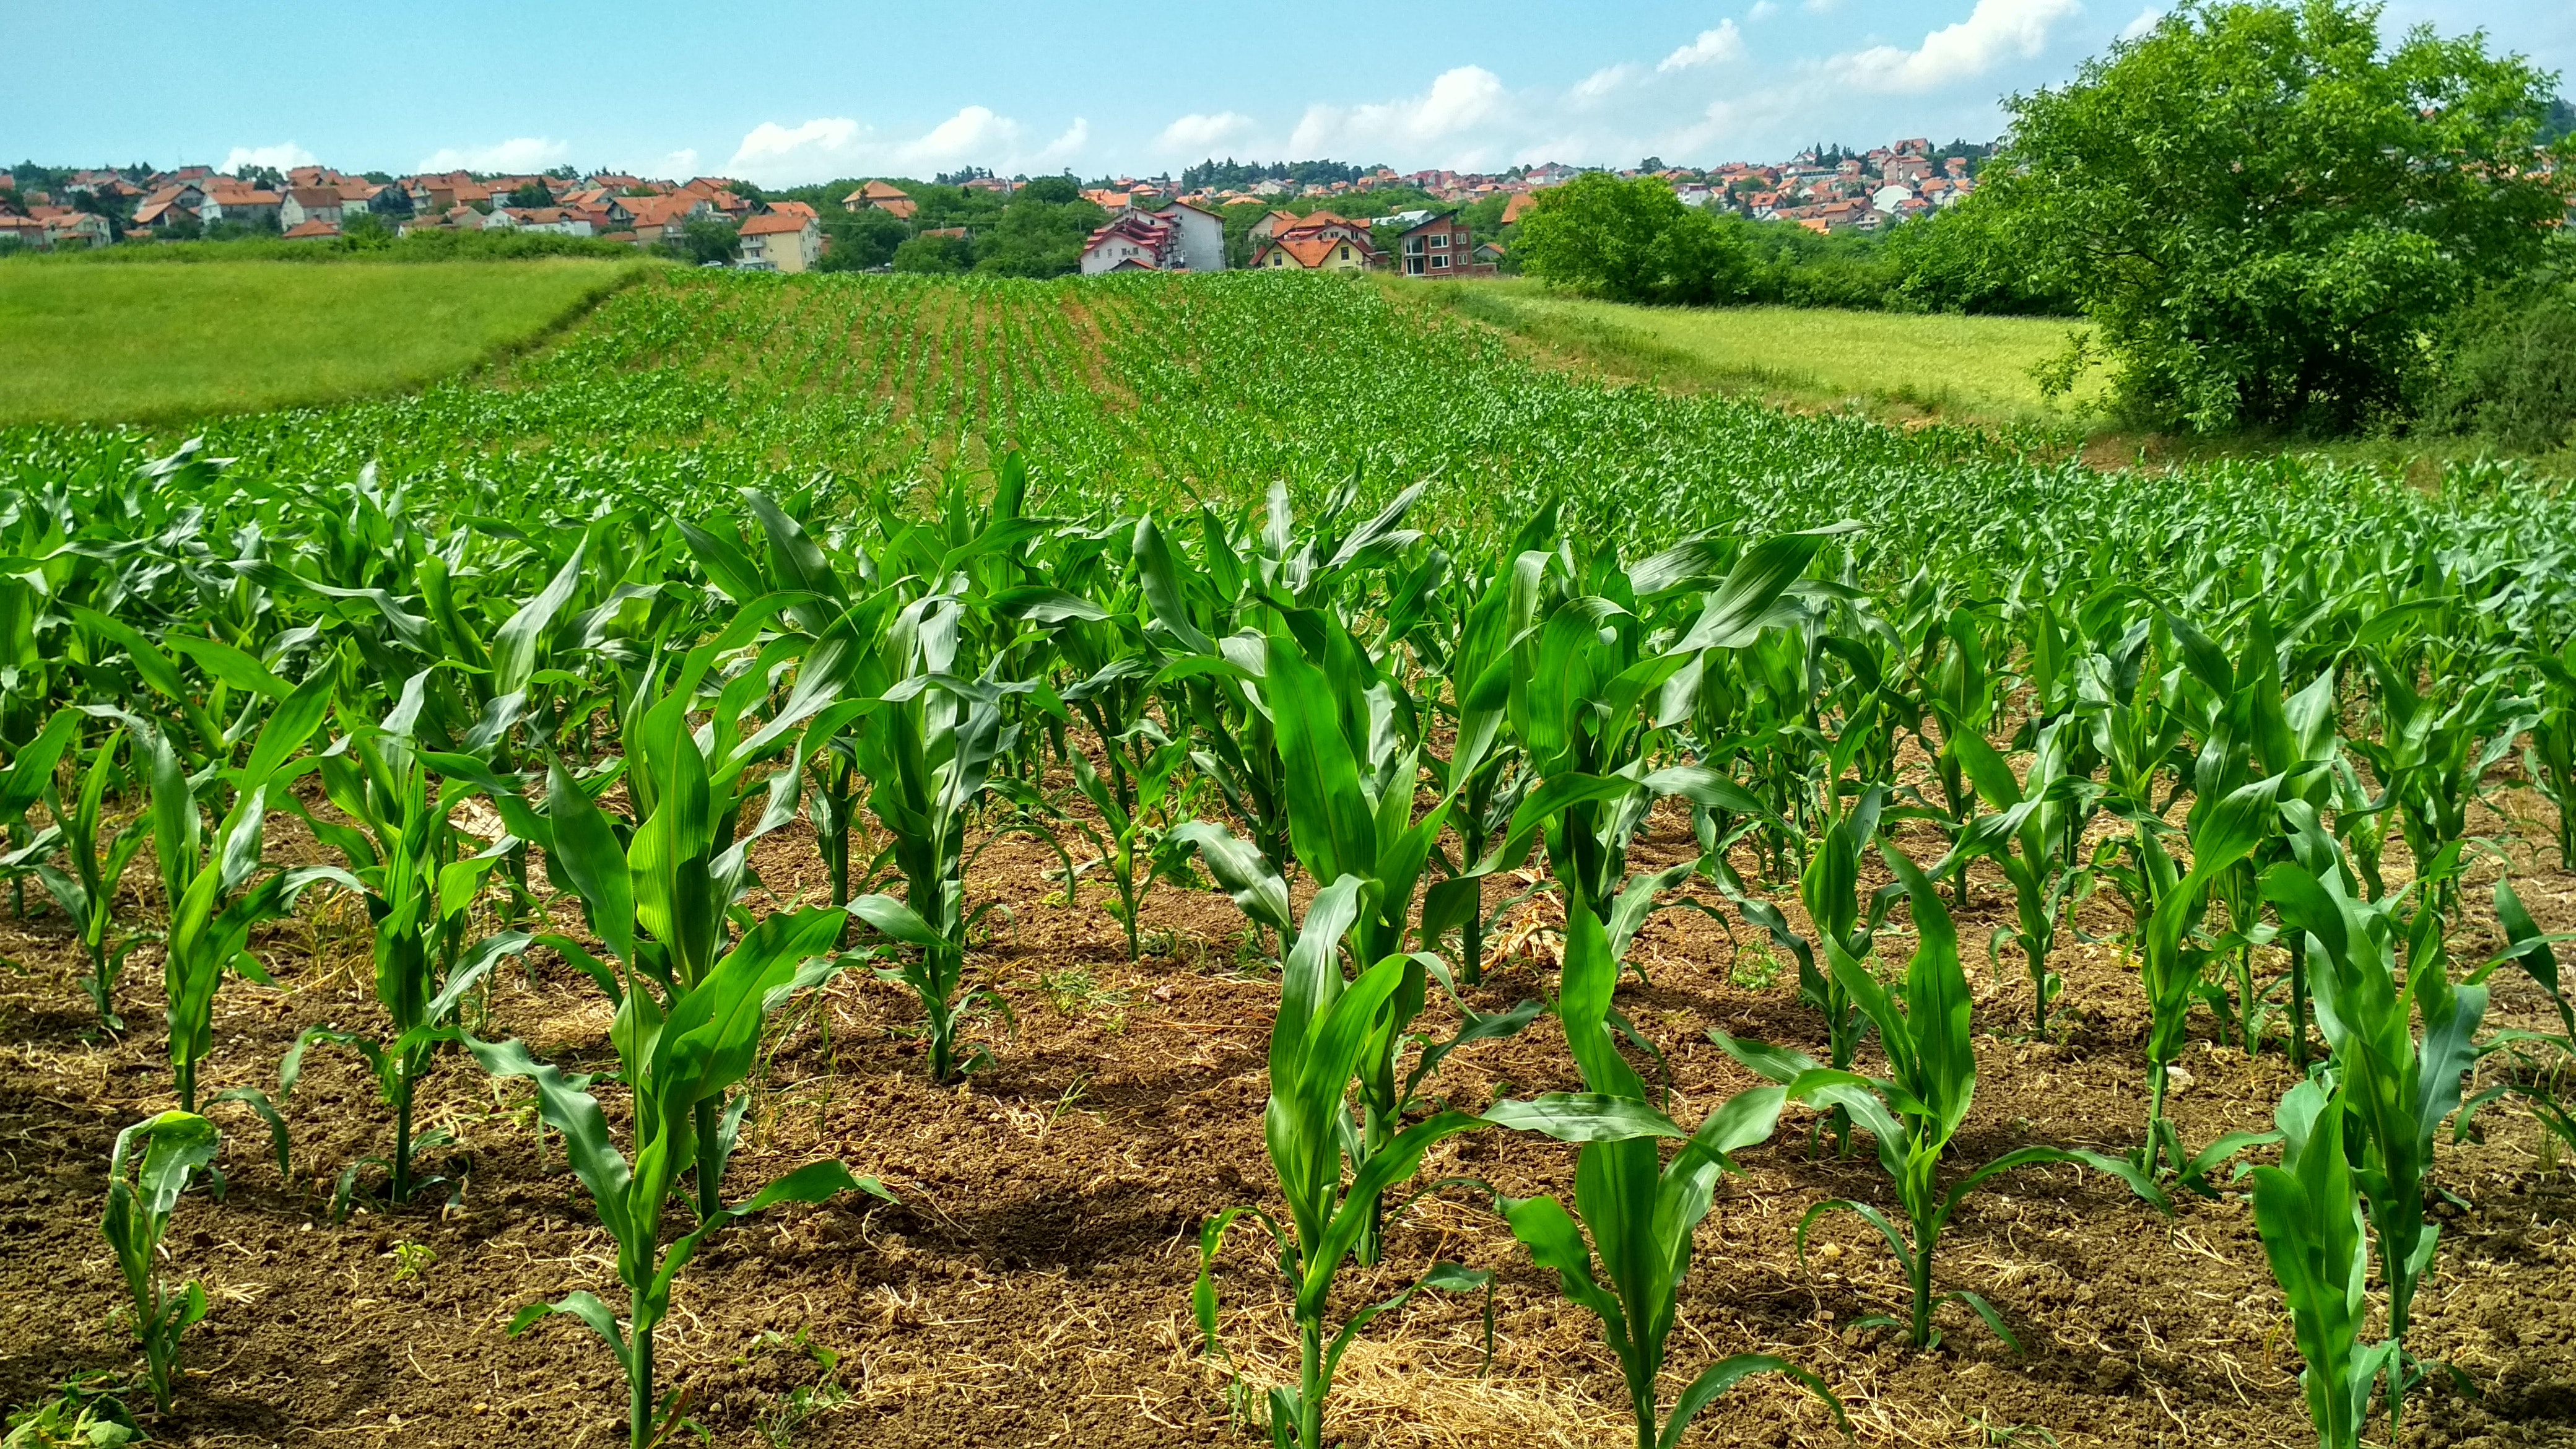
pixel 780 241
pixel 1202 235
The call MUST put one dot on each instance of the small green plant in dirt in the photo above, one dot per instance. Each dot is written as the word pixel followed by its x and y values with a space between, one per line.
pixel 2309 1211
pixel 87 894
pixel 213 900
pixel 1316 1048
pixel 146 1174
pixel 1754 969
pixel 784 1421
pixel 2397 1084
pixel 695 1053
pixel 404 862
pixel 1076 991
pixel 85 1413
pixel 412 1260
pixel 1638 1210
pixel 1916 1109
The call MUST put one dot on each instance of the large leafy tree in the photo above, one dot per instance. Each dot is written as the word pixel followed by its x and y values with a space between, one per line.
pixel 2265 211
pixel 1632 241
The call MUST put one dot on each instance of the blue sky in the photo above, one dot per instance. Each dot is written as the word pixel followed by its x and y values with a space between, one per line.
pixel 792 91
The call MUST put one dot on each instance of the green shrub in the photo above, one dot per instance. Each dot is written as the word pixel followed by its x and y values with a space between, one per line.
pixel 2508 370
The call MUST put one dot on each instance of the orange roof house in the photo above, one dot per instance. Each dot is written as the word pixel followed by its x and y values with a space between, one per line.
pixel 882 196
pixel 781 241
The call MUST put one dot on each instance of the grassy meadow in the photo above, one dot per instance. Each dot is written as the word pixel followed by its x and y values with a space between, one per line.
pixel 147 343
pixel 1960 369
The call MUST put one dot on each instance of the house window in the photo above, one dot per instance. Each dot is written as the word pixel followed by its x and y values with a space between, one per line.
pixel 1440 242
pixel 1439 264
pixel 1346 253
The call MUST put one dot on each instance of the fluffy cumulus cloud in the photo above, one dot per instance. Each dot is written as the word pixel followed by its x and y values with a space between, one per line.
pixel 1995 33
pixel 780 155
pixel 1198 134
pixel 281 157
pixel 1723 43
pixel 1462 110
pixel 518 154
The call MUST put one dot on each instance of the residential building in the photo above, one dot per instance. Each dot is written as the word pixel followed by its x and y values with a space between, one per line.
pixel 313 230
pixel 555 219
pixel 243 204
pixel 1518 207
pixel 1133 241
pixel 30 232
pixel 655 217
pixel 1439 247
pixel 781 241
pixel 1202 235
pixel 1312 247
pixel 301 204
pixel 882 196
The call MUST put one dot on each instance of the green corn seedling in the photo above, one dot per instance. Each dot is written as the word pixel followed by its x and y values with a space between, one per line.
pixel 2034 817
pixel 28 780
pixel 404 862
pixel 1130 834
pixel 677 1061
pixel 2225 831
pixel 1317 1043
pixel 1915 1110
pixel 1846 925
pixel 146 1174
pixel 87 893
pixel 2397 1086
pixel 928 755
pixel 214 902
pixel 1637 1210
pixel 2309 1212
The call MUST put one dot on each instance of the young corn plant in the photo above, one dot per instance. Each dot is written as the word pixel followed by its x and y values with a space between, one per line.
pixel 1317 1043
pixel 28 781
pixel 1916 1109
pixel 2397 1086
pixel 1845 923
pixel 1638 1212
pixel 87 891
pixel 928 754
pixel 214 902
pixel 666 902
pixel 1351 782
pixel 1131 831
pixel 2309 1212
pixel 2225 831
pixel 2026 836
pixel 678 1062
pixel 2536 1084
pixel 146 1174
pixel 404 863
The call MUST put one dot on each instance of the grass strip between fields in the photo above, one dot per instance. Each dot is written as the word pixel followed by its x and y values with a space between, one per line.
pixel 163 344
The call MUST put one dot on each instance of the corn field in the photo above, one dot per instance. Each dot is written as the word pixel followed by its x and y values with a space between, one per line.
pixel 865 860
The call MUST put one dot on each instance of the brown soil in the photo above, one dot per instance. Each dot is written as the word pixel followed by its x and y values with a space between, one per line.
pixel 1033 1286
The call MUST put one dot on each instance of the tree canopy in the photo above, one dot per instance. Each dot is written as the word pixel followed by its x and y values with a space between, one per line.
pixel 2266 213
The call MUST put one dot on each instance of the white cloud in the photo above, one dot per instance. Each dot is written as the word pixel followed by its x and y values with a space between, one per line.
pixel 519 154
pixel 1995 32
pixel 1460 102
pixel 2145 22
pixel 683 162
pixel 1199 134
pixel 1762 10
pixel 1604 83
pixel 776 155
pixel 1724 43
pixel 284 156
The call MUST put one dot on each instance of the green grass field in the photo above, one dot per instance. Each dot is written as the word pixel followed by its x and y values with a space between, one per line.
pixel 165 343
pixel 1965 369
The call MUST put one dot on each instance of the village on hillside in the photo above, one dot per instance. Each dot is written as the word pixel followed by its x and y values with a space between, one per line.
pixel 1309 216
